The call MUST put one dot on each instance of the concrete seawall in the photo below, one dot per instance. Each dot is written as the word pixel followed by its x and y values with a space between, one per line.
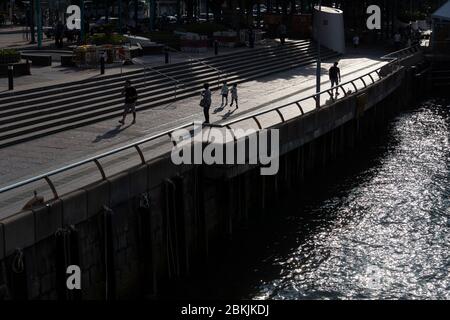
pixel 158 222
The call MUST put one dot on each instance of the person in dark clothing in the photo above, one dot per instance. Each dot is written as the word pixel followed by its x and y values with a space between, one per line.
pixel 335 76
pixel 130 101
pixel 282 33
pixel 205 103
pixel 59 34
pixel 251 37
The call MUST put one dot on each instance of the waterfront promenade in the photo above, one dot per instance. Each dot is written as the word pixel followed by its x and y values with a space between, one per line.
pixel 41 155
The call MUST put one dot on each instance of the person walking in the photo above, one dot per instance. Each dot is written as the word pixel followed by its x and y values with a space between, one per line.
pixel 234 96
pixel 282 33
pixel 205 102
pixel 397 41
pixel 335 76
pixel 356 41
pixel 130 101
pixel 59 34
pixel 251 37
pixel 224 92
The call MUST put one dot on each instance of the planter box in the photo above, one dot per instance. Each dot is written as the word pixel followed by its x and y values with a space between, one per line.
pixel 229 39
pixel 194 45
pixel 152 49
pixel 67 61
pixel 9 59
pixel 38 59
pixel 20 69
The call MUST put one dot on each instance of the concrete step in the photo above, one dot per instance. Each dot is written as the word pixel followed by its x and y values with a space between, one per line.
pixel 71 123
pixel 58 112
pixel 114 77
pixel 153 83
pixel 150 77
pixel 36 118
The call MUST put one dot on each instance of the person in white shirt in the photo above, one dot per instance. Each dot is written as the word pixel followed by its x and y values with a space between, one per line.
pixel 234 96
pixel 224 93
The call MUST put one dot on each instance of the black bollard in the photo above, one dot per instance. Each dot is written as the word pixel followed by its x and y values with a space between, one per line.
pixel 11 77
pixel 166 56
pixel 102 65
pixel 216 47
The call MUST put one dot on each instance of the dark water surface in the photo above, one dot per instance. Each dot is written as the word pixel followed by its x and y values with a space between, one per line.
pixel 379 230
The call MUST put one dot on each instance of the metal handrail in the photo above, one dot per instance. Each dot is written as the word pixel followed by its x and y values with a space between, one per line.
pixel 145 67
pixel 219 72
pixel 227 125
pixel 94 159
pixel 403 52
pixel 315 96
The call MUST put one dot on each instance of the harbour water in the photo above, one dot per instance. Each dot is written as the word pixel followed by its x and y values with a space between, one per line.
pixel 379 229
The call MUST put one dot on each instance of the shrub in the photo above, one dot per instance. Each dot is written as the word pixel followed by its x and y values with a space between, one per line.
pixel 102 38
pixel 9 56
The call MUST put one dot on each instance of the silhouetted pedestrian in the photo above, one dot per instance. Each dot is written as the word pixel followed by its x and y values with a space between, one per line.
pixel 397 41
pixel 282 33
pixel 335 76
pixel 356 41
pixel 205 102
pixel 234 96
pixel 251 37
pixel 59 34
pixel 130 101
pixel 224 92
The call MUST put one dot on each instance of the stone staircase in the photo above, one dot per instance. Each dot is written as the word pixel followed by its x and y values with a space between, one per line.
pixel 34 113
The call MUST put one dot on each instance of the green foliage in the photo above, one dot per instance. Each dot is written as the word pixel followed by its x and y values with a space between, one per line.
pixel 103 38
pixel 9 53
pixel 9 56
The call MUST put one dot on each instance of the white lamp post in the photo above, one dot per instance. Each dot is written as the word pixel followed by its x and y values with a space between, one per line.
pixel 319 59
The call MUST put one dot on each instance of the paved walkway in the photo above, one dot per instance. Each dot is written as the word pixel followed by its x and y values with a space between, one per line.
pixel 31 158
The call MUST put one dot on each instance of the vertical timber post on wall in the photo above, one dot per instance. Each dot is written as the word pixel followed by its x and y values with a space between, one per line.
pixel 108 249
pixel 145 244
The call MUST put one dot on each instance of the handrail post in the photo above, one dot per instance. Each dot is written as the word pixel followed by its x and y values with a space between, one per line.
pixel 52 187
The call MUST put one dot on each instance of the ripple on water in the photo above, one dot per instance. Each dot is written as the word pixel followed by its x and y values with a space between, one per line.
pixel 385 231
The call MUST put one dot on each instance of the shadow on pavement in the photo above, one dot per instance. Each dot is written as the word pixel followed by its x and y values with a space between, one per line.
pixel 111 133
pixel 229 113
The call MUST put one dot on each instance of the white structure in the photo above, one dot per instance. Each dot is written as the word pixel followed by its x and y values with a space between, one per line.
pixel 443 13
pixel 330 23
pixel 441 30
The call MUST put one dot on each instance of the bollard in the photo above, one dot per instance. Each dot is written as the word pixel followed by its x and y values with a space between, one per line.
pixel 11 77
pixel 102 65
pixel 166 56
pixel 216 47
